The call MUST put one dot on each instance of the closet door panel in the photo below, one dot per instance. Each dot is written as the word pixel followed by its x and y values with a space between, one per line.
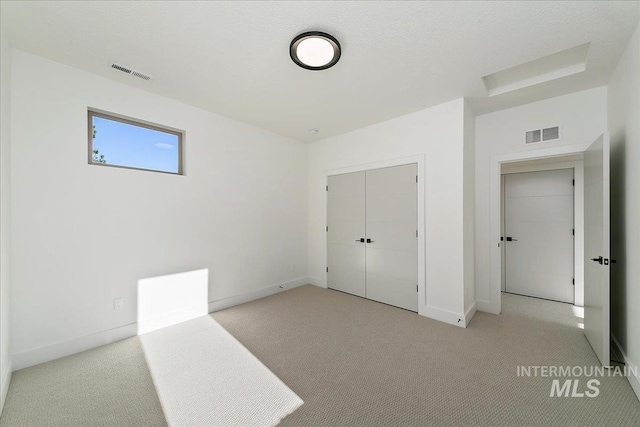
pixel 346 226
pixel 391 224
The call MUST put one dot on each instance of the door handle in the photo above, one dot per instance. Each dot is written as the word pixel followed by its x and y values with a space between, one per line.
pixel 361 240
pixel 599 259
pixel 370 241
pixel 511 239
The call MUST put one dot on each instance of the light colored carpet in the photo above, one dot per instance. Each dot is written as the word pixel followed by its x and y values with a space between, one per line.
pixel 355 362
pixel 107 386
pixel 205 377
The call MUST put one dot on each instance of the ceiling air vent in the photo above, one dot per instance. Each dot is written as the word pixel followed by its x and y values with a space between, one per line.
pixel 532 136
pixel 130 71
pixel 540 135
pixel 550 133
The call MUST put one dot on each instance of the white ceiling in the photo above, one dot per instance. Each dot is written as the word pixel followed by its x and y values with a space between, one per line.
pixel 232 58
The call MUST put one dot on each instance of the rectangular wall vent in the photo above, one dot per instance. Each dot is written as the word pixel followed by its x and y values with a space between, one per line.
pixel 130 71
pixel 550 133
pixel 142 76
pixel 540 135
pixel 532 136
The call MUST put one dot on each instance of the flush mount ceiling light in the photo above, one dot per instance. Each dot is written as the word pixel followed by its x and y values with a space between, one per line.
pixel 315 50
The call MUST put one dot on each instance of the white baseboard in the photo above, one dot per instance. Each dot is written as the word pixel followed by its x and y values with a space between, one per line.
pixel 634 380
pixel 72 346
pixel 4 384
pixel 254 295
pixel 445 316
pixel 76 345
pixel 486 307
pixel 468 315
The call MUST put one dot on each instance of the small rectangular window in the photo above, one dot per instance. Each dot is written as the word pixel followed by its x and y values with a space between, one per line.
pixel 128 143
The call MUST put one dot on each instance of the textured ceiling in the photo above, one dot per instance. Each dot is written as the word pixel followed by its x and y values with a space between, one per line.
pixel 398 57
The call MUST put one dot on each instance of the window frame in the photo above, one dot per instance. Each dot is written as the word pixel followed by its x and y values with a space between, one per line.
pixel 92 112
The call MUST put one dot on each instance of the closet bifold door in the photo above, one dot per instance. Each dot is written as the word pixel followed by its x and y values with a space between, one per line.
pixel 392 243
pixel 346 233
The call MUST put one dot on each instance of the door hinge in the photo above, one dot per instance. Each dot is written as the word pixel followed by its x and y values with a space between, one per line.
pixel 327 188
pixel 416 233
pixel 327 269
pixel 327 228
pixel 573 232
pixel 573 281
pixel 416 288
pixel 416 178
pixel 573 182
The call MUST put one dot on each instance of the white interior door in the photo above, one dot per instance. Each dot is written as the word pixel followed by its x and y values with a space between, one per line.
pixel 596 241
pixel 392 243
pixel 346 233
pixel 539 234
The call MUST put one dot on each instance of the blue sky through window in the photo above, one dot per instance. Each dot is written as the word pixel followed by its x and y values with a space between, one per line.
pixel 132 146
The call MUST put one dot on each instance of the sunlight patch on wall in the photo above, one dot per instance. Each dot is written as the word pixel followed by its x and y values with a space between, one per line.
pixel 167 300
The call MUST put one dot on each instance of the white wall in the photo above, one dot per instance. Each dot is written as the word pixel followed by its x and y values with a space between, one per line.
pixel 5 215
pixel 624 126
pixel 582 117
pixel 469 208
pixel 436 133
pixel 84 235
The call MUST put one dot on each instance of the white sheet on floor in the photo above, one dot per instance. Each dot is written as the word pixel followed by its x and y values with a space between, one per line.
pixel 205 377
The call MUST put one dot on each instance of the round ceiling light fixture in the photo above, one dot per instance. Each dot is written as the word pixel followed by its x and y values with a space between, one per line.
pixel 315 50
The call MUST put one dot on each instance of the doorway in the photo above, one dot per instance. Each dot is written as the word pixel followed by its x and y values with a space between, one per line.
pixel 537 160
pixel 591 239
pixel 538 234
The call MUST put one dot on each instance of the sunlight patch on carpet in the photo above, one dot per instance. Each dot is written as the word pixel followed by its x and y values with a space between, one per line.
pixel 204 376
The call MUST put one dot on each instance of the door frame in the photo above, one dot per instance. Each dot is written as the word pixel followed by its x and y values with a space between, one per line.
pixel 495 248
pixel 419 160
pixel 578 218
